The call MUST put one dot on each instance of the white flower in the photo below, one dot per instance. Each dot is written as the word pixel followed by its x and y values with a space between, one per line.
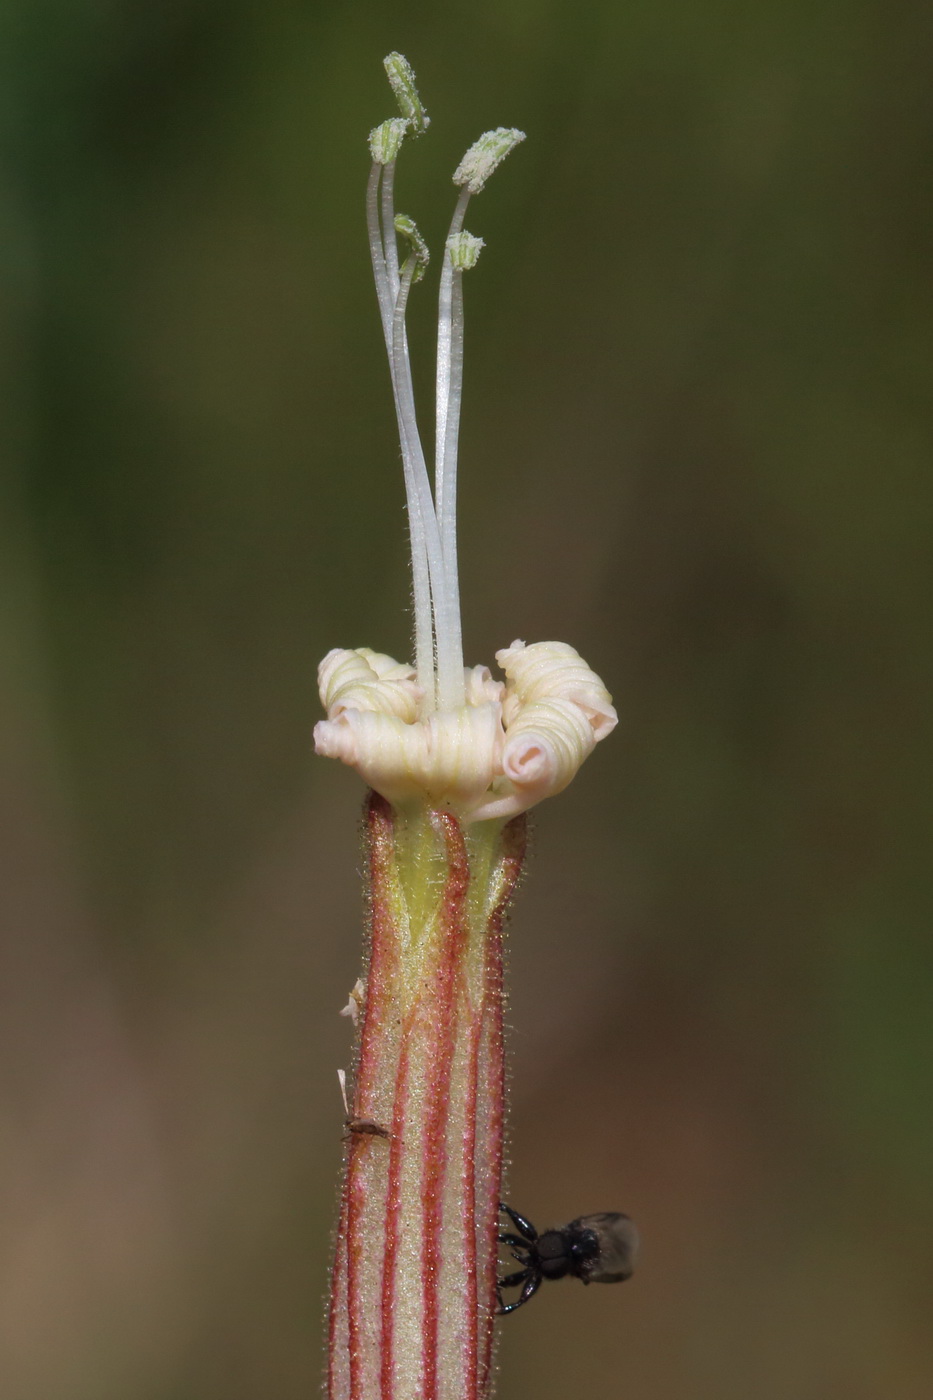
pixel 434 732
pixel 506 748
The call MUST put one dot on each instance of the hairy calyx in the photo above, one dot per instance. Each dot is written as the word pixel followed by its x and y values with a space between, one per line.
pixel 414 1286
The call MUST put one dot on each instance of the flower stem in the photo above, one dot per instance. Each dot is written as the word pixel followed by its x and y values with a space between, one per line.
pixel 414 1283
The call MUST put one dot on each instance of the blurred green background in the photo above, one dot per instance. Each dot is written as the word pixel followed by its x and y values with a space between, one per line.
pixel 696 445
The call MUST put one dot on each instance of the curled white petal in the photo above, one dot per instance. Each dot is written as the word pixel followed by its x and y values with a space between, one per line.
pixel 368 680
pixel 450 756
pixel 554 671
pixel 505 749
pixel 545 745
pixel 555 711
pixel 386 667
pixel 480 687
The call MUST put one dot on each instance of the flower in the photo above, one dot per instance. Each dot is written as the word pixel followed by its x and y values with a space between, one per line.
pixel 454 757
pixel 436 733
pixel 506 748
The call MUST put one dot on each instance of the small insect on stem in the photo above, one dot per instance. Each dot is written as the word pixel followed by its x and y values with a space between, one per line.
pixel 593 1248
pixel 360 1127
pixel 355 1003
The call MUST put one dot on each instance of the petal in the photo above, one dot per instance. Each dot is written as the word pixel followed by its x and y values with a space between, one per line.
pixel 480 687
pixel 368 680
pixel 450 757
pixel 550 671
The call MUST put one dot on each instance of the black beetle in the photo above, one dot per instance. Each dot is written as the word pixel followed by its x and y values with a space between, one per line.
pixel 597 1248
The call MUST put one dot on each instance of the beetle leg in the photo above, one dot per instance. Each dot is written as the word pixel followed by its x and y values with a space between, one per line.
pixel 513 1240
pixel 532 1284
pixel 531 1287
pixel 523 1226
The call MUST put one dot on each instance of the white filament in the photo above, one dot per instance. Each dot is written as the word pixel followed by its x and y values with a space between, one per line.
pixel 384 253
pixel 388 227
pixel 377 252
pixel 438 644
pixel 432 518
pixel 418 492
pixel 449 393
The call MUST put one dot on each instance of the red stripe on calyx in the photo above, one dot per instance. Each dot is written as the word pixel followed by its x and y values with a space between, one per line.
pixel 441 1024
pixel 490 1105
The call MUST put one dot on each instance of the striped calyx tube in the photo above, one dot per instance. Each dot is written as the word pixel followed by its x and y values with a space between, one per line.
pixel 414 1285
